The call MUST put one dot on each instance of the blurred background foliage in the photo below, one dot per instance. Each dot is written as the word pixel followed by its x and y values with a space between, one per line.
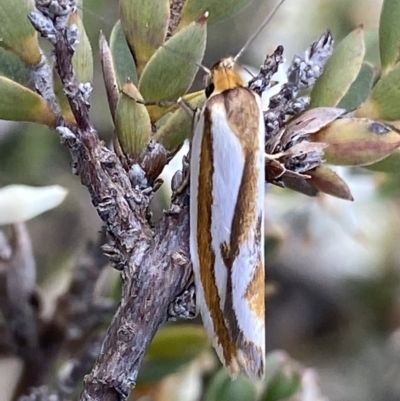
pixel 333 266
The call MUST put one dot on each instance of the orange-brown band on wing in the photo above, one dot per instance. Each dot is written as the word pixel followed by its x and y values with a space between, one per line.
pixel 244 119
pixel 246 213
pixel 243 114
pixel 255 291
pixel 204 242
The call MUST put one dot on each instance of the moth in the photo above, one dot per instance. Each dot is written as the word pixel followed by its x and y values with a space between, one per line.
pixel 227 183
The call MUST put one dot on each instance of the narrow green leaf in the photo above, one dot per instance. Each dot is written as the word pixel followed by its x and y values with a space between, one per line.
pixel 178 126
pixel 18 103
pixel 124 63
pixel 145 24
pixel 171 71
pixel 83 57
pixel 83 65
pixel 359 89
pixel 384 100
pixel 17 33
pixel 340 71
pixel 357 142
pixel 62 99
pixel 218 10
pixel 389 35
pixel 109 75
pixel 223 388
pixel 132 122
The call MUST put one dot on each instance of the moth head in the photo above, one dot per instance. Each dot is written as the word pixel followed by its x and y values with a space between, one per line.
pixel 223 76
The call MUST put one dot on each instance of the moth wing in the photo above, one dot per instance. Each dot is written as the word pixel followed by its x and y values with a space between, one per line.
pixel 248 270
pixel 244 304
pixel 211 211
pixel 217 167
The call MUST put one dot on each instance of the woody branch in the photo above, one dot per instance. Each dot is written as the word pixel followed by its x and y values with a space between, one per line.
pixel 153 260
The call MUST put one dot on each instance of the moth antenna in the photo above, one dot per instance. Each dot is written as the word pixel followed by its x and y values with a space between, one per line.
pixel 182 55
pixel 249 72
pixel 87 10
pixel 256 33
pixel 205 69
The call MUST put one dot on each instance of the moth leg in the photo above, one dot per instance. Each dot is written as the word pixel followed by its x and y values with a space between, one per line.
pixel 160 103
pixel 194 114
pixel 184 305
pixel 181 179
pixel 187 107
pixel 274 156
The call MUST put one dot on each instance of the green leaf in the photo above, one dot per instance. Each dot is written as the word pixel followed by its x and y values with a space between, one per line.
pixel 124 64
pixel 183 341
pixel 172 347
pixel 390 164
pixel 218 10
pixel 284 384
pixel 179 125
pixel 283 377
pixel 11 66
pixel 340 71
pixel 145 24
pixel 152 371
pixel 328 182
pixel 359 89
pixel 384 100
pixel 83 57
pixel 18 103
pixel 372 47
pixel 223 388
pixel 62 99
pixel 172 69
pixel 389 35
pixel 109 75
pixel 17 33
pixel 357 142
pixel 132 122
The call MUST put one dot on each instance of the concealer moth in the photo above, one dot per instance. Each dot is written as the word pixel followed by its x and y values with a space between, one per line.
pixel 227 182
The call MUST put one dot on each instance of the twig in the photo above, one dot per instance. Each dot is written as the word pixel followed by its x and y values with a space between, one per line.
pixel 175 14
pixel 75 318
pixel 302 74
pixel 155 264
pixel 74 370
pixel 17 288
